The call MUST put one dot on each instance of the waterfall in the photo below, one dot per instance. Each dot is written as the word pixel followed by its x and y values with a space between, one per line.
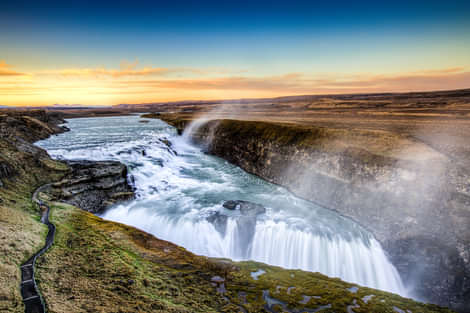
pixel 354 260
pixel 177 194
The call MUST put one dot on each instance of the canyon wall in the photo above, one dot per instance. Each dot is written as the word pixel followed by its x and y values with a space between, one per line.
pixel 413 199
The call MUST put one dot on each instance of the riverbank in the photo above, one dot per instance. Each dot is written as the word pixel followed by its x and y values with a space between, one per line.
pixel 413 198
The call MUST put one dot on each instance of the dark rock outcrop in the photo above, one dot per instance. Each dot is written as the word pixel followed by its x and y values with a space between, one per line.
pixel 245 207
pixel 416 204
pixel 18 130
pixel 93 185
pixel 30 125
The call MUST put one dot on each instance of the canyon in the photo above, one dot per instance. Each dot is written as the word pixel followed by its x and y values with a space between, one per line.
pixel 413 198
pixel 128 267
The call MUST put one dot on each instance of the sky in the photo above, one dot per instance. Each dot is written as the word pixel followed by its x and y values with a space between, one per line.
pixel 112 52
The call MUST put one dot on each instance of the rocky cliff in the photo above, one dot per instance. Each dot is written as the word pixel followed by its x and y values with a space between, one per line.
pixel 93 185
pixel 411 197
pixel 30 125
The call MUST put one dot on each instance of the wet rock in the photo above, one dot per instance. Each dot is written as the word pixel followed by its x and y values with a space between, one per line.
pixel 231 204
pixel 166 142
pixel 245 207
pixel 169 146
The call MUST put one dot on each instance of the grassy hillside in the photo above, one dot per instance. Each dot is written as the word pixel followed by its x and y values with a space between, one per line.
pixel 21 233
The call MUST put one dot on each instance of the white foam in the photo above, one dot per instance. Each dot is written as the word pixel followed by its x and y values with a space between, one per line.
pixel 177 192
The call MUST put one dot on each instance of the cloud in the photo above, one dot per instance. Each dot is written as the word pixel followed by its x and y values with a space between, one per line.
pixel 126 68
pixel 131 84
pixel 454 78
pixel 440 71
pixel 287 81
pixel 102 71
pixel 129 69
pixel 6 71
pixel 300 83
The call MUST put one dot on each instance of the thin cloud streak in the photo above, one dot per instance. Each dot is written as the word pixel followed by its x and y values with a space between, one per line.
pixel 6 71
pixel 102 71
pixel 297 82
pixel 131 69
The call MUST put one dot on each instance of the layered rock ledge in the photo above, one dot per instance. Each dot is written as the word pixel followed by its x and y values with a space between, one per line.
pixel 93 185
pixel 415 200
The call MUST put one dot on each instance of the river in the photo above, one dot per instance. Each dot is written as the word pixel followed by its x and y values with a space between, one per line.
pixel 180 189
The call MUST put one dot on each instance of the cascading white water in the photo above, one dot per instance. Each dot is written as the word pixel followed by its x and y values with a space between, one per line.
pixel 180 192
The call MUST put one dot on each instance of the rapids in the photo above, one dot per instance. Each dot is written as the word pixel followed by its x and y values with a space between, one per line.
pixel 179 187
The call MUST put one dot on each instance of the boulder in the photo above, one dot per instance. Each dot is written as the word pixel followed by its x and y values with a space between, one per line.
pixel 245 207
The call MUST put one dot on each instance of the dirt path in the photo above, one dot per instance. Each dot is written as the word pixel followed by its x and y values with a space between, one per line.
pixel 32 299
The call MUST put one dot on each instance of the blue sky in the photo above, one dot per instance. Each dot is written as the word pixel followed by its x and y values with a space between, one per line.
pixel 220 40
